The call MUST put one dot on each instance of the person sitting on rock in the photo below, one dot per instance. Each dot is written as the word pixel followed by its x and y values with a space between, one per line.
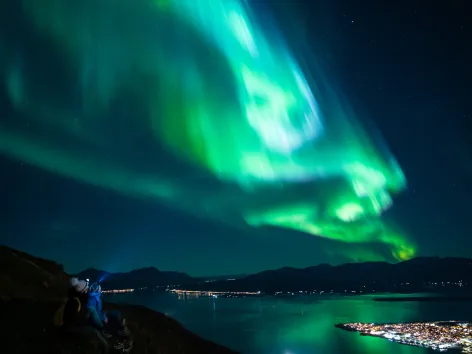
pixel 72 311
pixel 75 310
pixel 94 303
pixel 73 316
pixel 111 324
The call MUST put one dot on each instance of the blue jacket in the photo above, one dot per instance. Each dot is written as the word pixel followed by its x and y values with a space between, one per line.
pixel 97 315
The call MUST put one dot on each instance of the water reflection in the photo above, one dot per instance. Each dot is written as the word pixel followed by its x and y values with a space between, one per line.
pixel 296 325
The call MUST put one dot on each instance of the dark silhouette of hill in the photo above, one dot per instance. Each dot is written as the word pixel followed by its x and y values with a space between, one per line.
pixel 149 277
pixel 23 276
pixel 418 274
pixel 31 289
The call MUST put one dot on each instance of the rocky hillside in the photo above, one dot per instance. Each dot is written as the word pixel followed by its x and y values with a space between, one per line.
pixel 31 289
pixel 23 276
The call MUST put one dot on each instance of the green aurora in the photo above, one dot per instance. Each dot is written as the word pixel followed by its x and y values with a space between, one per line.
pixel 254 138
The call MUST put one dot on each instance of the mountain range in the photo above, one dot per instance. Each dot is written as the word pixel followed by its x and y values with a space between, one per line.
pixel 417 274
pixel 149 277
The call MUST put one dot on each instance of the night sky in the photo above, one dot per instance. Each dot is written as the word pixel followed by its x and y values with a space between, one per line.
pixel 404 66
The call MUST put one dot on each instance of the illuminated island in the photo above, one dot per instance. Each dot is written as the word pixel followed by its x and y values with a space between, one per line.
pixel 442 336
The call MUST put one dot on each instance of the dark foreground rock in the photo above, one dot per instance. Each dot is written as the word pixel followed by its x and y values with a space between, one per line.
pixel 27 325
pixel 27 277
pixel 31 289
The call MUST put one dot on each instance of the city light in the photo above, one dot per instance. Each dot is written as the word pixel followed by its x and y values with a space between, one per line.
pixel 213 293
pixel 440 336
pixel 117 291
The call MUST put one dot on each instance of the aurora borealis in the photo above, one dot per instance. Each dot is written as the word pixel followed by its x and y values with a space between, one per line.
pixel 255 139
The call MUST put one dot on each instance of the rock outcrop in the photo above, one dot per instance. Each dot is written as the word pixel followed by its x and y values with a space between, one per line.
pixel 31 289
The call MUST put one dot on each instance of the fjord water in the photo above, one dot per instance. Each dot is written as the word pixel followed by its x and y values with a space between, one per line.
pixel 296 324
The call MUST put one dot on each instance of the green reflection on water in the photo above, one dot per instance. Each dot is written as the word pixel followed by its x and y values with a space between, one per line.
pixel 293 325
pixel 314 326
